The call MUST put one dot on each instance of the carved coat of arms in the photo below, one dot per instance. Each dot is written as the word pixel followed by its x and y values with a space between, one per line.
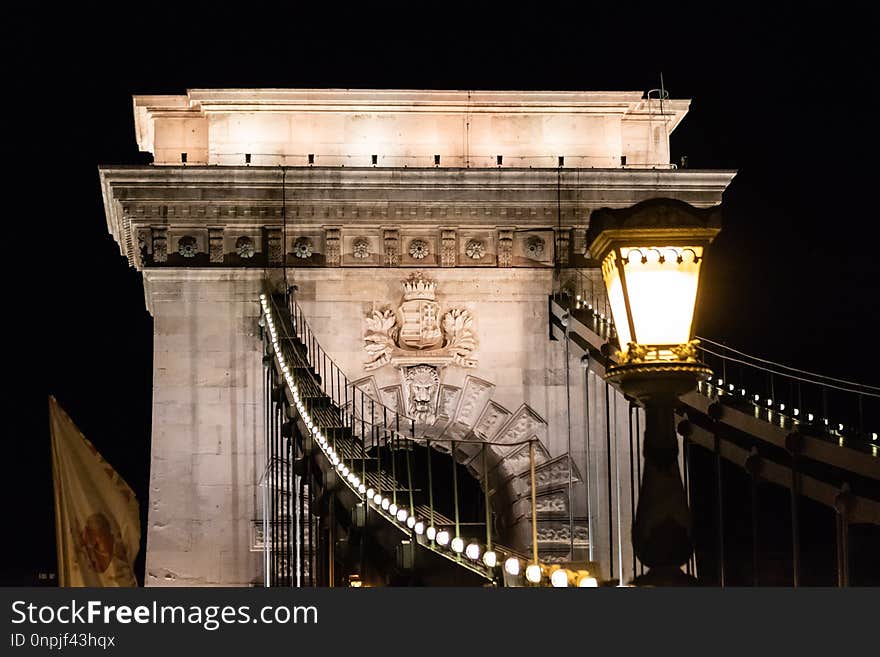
pixel 422 336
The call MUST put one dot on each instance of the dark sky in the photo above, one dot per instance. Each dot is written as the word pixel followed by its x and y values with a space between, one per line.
pixel 782 93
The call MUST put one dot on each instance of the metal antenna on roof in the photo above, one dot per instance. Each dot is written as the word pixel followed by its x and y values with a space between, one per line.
pixel 662 93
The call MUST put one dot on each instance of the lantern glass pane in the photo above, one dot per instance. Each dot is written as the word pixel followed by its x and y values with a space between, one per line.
pixel 662 291
pixel 615 298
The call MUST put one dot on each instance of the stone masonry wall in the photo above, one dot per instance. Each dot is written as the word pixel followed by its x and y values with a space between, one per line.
pixel 207 428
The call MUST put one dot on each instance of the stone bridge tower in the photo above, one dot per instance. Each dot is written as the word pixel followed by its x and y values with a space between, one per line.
pixel 425 232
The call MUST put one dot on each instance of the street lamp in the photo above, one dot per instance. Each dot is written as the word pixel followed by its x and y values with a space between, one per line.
pixel 651 254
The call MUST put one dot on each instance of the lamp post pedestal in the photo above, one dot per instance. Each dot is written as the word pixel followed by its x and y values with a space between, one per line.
pixel 662 532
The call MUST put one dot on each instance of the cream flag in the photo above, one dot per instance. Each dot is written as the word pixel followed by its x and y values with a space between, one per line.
pixel 97 523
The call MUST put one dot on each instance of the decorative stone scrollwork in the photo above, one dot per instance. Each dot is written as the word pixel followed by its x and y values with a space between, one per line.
pixel 302 248
pixel 244 247
pixel 493 417
pixel 559 533
pixel 160 244
pixel 332 251
pixel 552 503
pixel 215 244
pixel 274 246
pixel 422 333
pixel 458 326
pixel 556 473
pixel 186 246
pixel 392 254
pixel 505 248
pixel 474 397
pixel 361 248
pixel 535 247
pixel 447 248
pixel 475 249
pixel 379 338
pixel 418 249
pixel 563 237
pixel 554 558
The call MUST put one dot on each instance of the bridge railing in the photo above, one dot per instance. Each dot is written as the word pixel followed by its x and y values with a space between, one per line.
pixel 357 430
pixel 842 411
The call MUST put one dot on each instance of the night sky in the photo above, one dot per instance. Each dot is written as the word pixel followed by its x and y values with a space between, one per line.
pixel 781 94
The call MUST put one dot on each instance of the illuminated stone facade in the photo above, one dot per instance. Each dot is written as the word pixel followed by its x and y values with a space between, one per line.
pixel 498 236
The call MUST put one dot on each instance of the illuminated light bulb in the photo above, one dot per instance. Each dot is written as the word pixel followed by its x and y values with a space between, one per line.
pixel 345 470
pixel 351 479
pixel 392 509
pixel 730 387
pixel 262 297
pixel 742 392
pixel 419 528
pixel 443 537
pixel 577 297
pixel 757 398
pixel 720 382
pixel 840 427
pixel 377 499
pixel 472 551
pixel 385 503
pixel 796 412
pixel 781 407
pixel 559 579
pixel 401 515
pixel 511 566
pixel 809 417
pixel 362 489
pixel 588 582
pixel 411 522
pixel 341 467
pixel 457 545
pixel 431 533
pixel 825 420
pixel 769 402
pixel 334 459
pixel 370 492
pixel 355 480
pixel 533 573
pixel 873 436
pixel 490 559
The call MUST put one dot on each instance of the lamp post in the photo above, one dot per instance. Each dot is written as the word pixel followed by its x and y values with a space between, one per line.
pixel 651 255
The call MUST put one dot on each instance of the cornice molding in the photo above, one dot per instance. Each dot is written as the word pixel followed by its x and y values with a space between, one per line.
pixel 252 198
